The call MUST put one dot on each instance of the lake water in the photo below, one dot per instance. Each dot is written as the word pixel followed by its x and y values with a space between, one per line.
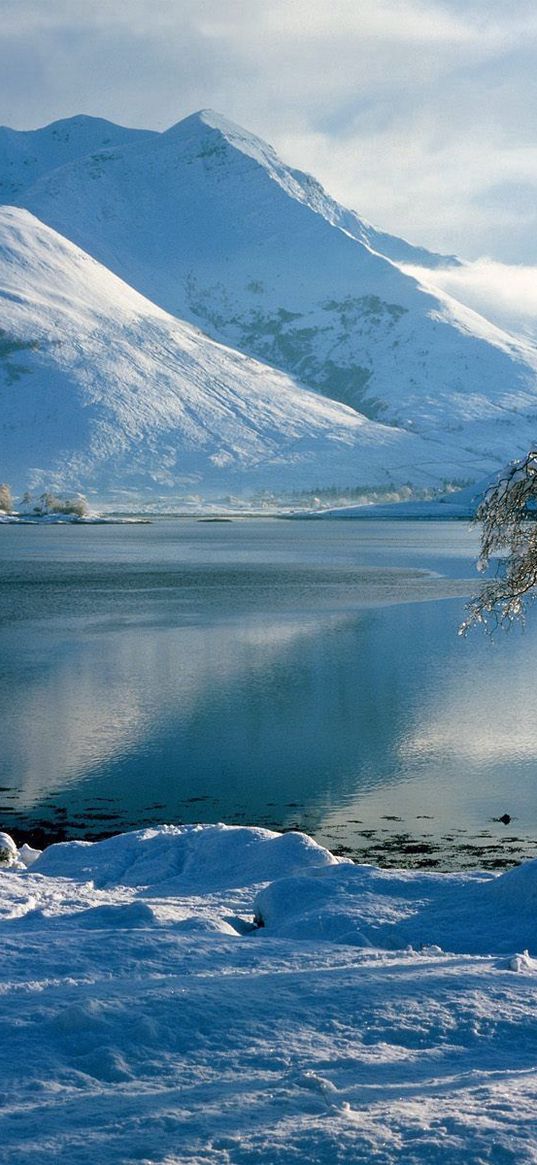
pixel 289 674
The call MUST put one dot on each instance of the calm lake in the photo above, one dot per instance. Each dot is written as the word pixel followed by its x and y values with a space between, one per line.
pixel 287 674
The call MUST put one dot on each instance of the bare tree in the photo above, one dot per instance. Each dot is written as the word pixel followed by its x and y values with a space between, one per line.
pixel 6 500
pixel 508 519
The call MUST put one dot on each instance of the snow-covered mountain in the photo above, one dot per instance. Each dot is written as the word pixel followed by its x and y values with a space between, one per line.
pixel 207 222
pixel 204 223
pixel 103 391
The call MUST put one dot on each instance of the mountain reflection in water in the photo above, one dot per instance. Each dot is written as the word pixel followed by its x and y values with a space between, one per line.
pixel 262 672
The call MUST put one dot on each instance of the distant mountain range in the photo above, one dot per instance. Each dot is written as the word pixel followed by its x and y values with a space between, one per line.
pixel 143 276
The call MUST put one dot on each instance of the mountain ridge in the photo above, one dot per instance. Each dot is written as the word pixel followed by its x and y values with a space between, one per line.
pixel 106 134
pixel 308 189
pixel 27 155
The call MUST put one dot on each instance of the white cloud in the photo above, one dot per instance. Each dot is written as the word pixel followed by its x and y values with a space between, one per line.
pixel 409 21
pixel 505 294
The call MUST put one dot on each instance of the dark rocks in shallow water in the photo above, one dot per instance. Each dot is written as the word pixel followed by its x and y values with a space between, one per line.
pixel 505 818
pixel 420 848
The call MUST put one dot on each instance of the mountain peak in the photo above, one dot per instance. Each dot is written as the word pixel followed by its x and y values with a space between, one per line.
pixel 208 121
pixel 214 120
pixel 200 120
pixel 78 121
pixel 207 124
pixel 209 118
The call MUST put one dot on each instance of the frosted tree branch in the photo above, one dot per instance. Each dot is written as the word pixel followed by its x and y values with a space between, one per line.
pixel 508 519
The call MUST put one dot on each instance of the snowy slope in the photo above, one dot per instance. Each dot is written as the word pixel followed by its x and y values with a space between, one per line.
pixel 144 1019
pixel 101 390
pixel 206 221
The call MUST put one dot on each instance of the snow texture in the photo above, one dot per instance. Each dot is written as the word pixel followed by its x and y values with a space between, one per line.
pixel 376 1016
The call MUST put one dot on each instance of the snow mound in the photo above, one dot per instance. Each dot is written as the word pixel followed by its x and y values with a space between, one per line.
pixel 116 917
pixel 28 855
pixel 477 913
pixel 189 858
pixel 199 876
pixel 523 964
pixel 515 891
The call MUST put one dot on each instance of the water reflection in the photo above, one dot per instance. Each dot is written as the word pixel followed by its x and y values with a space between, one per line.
pixel 137 704
pixel 461 748
pixel 257 675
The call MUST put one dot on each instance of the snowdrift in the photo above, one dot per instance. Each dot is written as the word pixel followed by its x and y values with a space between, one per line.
pixel 364 906
pixel 305 892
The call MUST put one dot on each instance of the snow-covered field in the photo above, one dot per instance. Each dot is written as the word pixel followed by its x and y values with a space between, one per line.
pixel 375 1016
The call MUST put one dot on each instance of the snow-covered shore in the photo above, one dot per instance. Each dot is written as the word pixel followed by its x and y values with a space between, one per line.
pixel 68 520
pixel 373 1016
pixel 454 505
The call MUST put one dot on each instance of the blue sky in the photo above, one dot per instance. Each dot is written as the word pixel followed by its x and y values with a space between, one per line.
pixel 419 114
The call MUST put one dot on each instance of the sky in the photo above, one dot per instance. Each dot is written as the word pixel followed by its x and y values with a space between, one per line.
pixel 419 114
